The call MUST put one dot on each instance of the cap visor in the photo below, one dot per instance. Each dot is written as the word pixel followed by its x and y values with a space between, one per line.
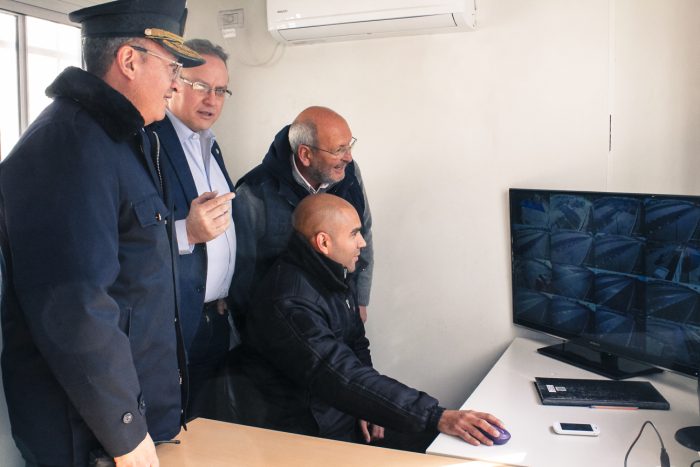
pixel 188 57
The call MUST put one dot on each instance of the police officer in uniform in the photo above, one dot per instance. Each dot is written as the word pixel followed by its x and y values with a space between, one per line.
pixel 92 361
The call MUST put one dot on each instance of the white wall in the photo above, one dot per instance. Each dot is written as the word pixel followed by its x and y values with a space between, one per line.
pixel 656 97
pixel 446 123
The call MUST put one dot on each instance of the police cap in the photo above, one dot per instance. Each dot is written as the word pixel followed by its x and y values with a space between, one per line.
pixel 160 20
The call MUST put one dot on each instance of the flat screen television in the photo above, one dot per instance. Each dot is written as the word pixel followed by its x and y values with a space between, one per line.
pixel 615 274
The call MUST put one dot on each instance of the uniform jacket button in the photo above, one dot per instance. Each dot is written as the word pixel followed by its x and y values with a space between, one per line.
pixel 127 418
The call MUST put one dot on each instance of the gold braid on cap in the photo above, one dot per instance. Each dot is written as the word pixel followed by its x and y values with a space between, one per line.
pixel 162 34
pixel 173 40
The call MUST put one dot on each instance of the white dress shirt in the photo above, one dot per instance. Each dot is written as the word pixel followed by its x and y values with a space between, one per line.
pixel 208 176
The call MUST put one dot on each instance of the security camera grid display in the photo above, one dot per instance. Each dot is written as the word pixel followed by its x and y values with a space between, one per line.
pixel 618 269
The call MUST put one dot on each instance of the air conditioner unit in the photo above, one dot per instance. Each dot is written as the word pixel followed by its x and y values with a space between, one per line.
pixel 304 21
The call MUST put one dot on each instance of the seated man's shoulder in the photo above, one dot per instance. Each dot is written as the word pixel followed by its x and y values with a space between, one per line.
pixel 286 281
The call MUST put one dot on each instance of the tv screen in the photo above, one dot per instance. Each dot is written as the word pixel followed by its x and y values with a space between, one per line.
pixel 617 273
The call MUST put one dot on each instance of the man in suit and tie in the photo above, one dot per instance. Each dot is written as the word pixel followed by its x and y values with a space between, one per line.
pixel 202 192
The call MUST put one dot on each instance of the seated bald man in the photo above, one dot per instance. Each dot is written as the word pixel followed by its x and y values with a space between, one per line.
pixel 306 354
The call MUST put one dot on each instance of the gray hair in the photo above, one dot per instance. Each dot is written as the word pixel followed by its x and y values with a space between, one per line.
pixel 205 47
pixel 99 53
pixel 302 132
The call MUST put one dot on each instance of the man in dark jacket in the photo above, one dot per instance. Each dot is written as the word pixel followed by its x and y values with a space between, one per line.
pixel 305 349
pixel 92 360
pixel 312 155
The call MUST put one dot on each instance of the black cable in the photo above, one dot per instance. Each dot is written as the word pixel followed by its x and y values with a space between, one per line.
pixel 694 462
pixel 663 456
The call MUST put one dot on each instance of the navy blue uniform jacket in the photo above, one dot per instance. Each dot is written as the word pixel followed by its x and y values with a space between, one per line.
pixel 89 318
pixel 193 267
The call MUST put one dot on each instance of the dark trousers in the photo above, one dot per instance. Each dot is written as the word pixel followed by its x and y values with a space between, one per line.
pixel 206 358
pixel 414 442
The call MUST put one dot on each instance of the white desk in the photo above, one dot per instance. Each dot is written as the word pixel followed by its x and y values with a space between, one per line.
pixel 508 392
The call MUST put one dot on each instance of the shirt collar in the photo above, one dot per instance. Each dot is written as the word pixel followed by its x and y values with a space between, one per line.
pixel 183 131
pixel 299 178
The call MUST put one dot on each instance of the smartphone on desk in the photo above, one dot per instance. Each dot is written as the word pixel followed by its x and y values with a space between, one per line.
pixel 578 429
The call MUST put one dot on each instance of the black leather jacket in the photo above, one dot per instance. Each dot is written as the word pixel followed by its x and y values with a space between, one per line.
pixel 308 358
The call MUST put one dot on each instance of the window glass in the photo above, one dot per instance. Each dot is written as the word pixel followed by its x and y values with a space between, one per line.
pixel 9 88
pixel 51 47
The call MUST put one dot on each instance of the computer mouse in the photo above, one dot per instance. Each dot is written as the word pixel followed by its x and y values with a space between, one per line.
pixel 502 438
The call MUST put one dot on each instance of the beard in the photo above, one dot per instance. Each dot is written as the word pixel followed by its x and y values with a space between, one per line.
pixel 324 176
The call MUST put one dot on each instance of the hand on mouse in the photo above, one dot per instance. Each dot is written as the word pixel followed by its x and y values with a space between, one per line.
pixel 465 424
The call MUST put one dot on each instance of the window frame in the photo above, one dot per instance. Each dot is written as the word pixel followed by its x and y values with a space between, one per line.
pixel 21 11
pixel 19 8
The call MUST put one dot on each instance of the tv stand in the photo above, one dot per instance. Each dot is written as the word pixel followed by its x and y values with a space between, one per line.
pixel 690 436
pixel 603 363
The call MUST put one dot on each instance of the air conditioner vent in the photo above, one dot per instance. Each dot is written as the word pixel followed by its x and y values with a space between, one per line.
pixel 305 21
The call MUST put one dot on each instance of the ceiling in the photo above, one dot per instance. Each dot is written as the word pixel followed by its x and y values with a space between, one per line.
pixel 53 10
pixel 60 6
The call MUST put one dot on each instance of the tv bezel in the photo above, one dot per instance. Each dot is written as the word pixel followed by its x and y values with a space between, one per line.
pixel 584 341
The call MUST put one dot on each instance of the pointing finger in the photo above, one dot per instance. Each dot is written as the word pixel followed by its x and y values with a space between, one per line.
pixel 218 201
pixel 204 197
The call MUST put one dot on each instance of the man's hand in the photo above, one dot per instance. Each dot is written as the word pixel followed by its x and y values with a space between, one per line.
pixel 363 313
pixel 464 423
pixel 209 216
pixel 144 455
pixel 371 432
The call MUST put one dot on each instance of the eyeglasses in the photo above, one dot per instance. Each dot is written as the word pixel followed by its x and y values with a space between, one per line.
pixel 204 88
pixel 175 66
pixel 341 151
